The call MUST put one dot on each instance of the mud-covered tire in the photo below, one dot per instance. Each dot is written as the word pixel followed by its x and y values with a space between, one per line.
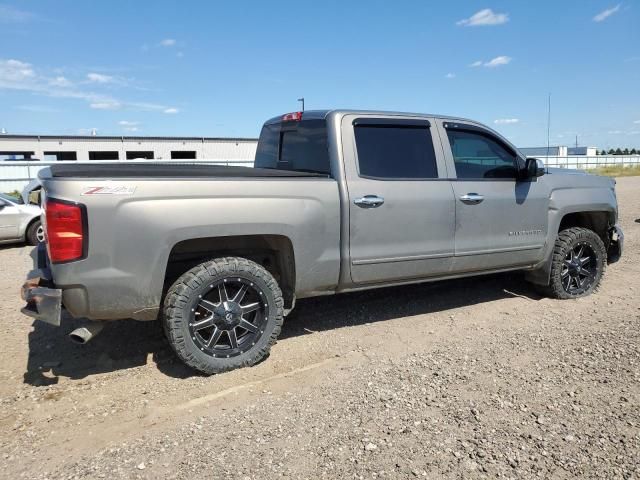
pixel 33 232
pixel 567 241
pixel 185 297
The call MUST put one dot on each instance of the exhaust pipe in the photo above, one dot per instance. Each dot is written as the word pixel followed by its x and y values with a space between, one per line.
pixel 86 333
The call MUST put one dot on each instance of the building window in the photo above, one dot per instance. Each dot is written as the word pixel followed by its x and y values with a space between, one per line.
pixel 60 156
pixel 139 155
pixel 16 156
pixel 183 155
pixel 104 156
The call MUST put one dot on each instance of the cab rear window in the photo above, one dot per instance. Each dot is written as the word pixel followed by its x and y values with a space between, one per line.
pixel 299 146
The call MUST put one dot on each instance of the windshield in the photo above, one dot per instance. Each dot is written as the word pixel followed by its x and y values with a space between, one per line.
pixel 299 146
pixel 11 198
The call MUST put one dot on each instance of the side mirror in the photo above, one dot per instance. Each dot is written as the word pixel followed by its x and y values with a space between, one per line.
pixel 534 168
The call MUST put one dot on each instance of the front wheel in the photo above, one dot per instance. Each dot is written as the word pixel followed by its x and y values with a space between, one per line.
pixel 578 263
pixel 223 314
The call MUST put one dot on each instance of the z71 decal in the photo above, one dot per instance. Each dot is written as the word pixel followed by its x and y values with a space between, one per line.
pixel 109 190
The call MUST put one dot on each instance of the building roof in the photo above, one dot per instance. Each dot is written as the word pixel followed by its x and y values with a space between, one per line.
pixel 123 138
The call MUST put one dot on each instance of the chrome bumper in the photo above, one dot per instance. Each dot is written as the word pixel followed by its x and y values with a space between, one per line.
pixel 43 302
pixel 616 244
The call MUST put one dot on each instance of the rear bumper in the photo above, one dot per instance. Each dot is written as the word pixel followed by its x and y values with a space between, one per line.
pixel 44 302
pixel 616 244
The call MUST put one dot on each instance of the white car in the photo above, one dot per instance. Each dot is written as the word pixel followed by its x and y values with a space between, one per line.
pixel 19 222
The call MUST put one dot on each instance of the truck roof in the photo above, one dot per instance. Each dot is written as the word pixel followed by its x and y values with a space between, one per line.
pixel 322 114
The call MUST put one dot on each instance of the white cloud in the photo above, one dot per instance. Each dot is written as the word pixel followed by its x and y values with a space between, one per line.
pixel 450 75
pixel 606 13
pixel 494 62
pixel 485 17
pixel 615 132
pixel 14 72
pixel 179 54
pixel 506 121
pixel 126 123
pixel 22 76
pixel 109 105
pixel 99 78
pixel 168 42
pixel 60 82
pixel 636 121
pixel 9 14
pixel 36 108
pixel 498 61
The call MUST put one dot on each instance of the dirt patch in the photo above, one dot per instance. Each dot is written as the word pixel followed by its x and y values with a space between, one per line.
pixel 466 379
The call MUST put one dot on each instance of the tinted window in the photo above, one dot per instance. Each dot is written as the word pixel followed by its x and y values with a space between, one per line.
pixel 479 156
pixel 300 146
pixel 394 151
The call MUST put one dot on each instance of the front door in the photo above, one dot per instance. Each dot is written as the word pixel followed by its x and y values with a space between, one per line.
pixel 9 220
pixel 501 221
pixel 401 205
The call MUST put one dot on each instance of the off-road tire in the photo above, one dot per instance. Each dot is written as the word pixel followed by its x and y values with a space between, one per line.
pixel 32 233
pixel 567 240
pixel 184 294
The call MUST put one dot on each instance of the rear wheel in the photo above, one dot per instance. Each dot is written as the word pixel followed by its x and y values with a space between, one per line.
pixel 35 233
pixel 579 261
pixel 223 314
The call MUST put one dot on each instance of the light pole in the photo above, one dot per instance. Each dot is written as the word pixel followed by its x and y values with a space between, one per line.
pixel 301 99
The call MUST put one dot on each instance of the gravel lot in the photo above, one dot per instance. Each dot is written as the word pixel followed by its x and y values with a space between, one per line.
pixel 467 379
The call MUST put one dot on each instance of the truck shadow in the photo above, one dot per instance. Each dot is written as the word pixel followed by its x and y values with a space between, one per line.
pixel 128 343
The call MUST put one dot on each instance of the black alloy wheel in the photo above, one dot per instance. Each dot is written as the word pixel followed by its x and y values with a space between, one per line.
pixel 230 318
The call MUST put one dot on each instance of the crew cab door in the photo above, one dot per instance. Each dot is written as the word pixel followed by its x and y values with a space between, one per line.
pixel 501 220
pixel 401 206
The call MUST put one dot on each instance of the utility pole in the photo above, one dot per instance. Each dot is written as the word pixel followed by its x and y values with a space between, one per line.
pixel 576 141
pixel 549 125
pixel 301 99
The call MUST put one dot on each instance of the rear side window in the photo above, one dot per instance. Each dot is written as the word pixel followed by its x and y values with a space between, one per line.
pixel 395 151
pixel 299 146
pixel 479 156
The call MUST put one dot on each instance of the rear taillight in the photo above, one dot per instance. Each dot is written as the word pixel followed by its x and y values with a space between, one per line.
pixel 65 230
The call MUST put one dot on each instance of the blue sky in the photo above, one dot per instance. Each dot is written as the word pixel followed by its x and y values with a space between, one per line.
pixel 222 68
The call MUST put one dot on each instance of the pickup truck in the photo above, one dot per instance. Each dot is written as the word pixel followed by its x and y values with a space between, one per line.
pixel 338 201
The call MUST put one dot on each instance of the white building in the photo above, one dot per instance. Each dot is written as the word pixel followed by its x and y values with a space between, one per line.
pixel 559 151
pixel 55 148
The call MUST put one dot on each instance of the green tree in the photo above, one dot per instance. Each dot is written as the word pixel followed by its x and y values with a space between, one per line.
pixel 633 151
pixel 603 152
pixel 618 151
pixel 611 151
pixel 625 151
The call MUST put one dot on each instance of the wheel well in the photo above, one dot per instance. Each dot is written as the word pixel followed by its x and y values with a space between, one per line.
pixel 599 222
pixel 273 252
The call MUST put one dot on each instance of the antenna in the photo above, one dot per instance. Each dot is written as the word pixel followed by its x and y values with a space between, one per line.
pixel 549 125
pixel 301 99
pixel 576 141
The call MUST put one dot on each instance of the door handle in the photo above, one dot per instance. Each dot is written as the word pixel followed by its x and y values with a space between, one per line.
pixel 369 201
pixel 472 198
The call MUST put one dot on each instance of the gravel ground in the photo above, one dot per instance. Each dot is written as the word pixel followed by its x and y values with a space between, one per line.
pixel 478 378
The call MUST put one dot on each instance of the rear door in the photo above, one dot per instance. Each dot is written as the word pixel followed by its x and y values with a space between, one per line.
pixel 501 221
pixel 401 205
